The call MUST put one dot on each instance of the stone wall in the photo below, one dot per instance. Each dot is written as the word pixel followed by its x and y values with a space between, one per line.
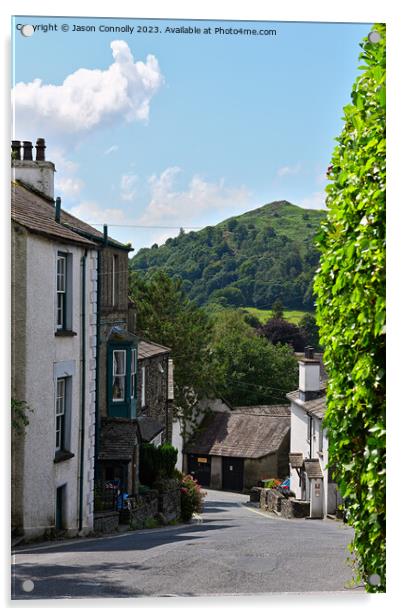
pixel 273 501
pixel 143 507
pixel 156 404
pixel 163 505
pixel 106 522
pixel 169 505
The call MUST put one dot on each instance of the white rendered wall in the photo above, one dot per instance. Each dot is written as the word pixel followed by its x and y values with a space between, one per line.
pixel 44 353
pixel 298 442
pixel 177 441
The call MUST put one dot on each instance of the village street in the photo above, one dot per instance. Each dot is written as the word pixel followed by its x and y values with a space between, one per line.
pixel 234 550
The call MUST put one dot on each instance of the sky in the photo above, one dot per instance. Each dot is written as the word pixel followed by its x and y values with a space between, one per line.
pixel 152 130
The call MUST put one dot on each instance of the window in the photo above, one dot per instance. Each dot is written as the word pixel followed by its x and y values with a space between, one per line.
pixel 60 414
pixel 119 375
pixel 61 290
pixel 133 374
pixel 143 386
pixel 64 293
pixel 320 437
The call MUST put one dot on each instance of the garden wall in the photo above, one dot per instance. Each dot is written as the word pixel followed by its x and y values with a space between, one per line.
pixel 272 501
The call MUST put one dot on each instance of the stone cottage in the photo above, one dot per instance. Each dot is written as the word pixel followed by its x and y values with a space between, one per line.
pixel 154 392
pixel 234 449
pixel 53 321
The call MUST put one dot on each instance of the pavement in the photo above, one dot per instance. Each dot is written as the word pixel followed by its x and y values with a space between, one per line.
pixel 235 550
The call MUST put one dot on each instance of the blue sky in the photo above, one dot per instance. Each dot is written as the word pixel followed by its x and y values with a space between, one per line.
pixel 162 130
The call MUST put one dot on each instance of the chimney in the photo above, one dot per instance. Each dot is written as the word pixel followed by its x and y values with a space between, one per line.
pixel 39 173
pixel 309 376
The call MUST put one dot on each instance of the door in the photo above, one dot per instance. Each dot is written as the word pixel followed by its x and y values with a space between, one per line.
pixel 59 507
pixel 199 466
pixel 232 474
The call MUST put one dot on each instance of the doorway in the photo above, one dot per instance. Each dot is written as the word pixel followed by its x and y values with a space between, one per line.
pixel 232 474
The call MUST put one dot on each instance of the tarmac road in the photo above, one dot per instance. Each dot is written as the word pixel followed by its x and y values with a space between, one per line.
pixel 235 550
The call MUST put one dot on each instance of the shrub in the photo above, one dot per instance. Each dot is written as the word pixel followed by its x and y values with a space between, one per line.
pixel 168 457
pixel 191 498
pixel 350 290
pixel 157 463
pixel 280 331
pixel 271 483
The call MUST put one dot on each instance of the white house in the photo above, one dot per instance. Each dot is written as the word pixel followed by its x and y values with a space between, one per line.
pixel 310 477
pixel 54 295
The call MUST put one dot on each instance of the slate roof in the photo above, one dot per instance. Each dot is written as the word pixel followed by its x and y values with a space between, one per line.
pixel 118 438
pixel 150 349
pixel 313 469
pixel 316 407
pixel 296 459
pixel 248 432
pixel 149 427
pixel 36 212
pixel 281 410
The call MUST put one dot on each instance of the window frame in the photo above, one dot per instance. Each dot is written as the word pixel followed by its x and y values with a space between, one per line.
pixel 133 373
pixel 61 294
pixel 119 375
pixel 143 386
pixel 60 426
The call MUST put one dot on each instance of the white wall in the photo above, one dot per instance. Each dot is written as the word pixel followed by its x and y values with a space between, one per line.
pixel 299 444
pixel 177 441
pixel 44 356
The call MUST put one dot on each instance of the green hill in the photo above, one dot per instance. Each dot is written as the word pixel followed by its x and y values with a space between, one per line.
pixel 248 260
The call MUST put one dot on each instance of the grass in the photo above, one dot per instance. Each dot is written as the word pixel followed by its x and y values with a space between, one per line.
pixel 294 316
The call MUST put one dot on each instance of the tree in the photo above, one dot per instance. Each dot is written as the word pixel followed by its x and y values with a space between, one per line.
pixel 309 329
pixel 350 291
pixel 280 331
pixel 166 315
pixel 278 309
pixel 248 369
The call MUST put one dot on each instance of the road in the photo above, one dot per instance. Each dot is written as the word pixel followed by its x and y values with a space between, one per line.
pixel 234 550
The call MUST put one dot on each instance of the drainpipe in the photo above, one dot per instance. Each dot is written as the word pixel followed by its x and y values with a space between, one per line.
pixel 58 209
pixel 83 385
pixel 97 379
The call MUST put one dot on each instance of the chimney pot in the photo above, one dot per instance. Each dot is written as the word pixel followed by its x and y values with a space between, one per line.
pixel 27 149
pixel 40 149
pixel 105 234
pixel 309 352
pixel 16 149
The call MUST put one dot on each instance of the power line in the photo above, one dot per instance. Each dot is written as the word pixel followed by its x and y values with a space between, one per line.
pixel 100 224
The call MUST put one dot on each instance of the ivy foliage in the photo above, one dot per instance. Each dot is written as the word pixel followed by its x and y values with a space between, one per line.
pixel 19 419
pixel 350 291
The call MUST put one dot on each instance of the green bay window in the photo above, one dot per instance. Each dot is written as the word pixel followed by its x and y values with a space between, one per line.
pixel 122 372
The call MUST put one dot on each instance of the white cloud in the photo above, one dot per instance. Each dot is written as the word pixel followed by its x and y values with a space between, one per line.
pixel 289 170
pixel 128 184
pixel 91 212
pixel 89 98
pixel 66 180
pixel 113 148
pixel 170 206
pixel 315 201
pixel 70 187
